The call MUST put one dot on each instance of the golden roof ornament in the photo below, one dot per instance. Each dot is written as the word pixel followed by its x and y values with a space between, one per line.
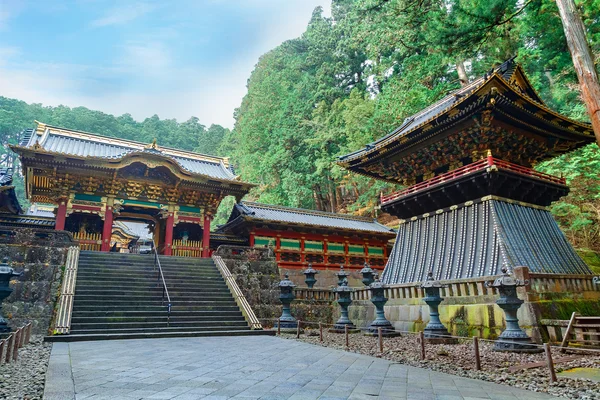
pixel 152 146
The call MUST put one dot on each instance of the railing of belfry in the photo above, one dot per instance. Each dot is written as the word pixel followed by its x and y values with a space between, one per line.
pixel 240 299
pixel 161 277
pixel 62 324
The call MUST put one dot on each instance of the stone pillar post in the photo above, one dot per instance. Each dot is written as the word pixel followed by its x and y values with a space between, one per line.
pixel 206 236
pixel 61 214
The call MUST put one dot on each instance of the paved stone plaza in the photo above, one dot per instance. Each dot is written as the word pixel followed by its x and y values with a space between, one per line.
pixel 260 367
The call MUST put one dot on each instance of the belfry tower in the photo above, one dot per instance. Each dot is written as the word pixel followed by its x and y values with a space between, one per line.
pixel 473 202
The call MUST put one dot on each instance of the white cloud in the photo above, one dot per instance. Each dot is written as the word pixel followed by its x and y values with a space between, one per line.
pixel 124 14
pixel 146 58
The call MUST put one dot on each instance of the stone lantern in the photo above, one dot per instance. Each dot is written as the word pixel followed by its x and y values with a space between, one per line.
pixel 341 275
pixel 513 338
pixel 286 296
pixel 378 299
pixel 344 300
pixel 435 330
pixel 368 275
pixel 309 274
pixel 6 272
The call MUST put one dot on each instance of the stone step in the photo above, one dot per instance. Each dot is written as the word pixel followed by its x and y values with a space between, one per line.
pixel 154 318
pixel 162 313
pixel 151 275
pixel 175 297
pixel 120 296
pixel 188 325
pixel 111 266
pixel 160 329
pixel 144 258
pixel 150 295
pixel 155 289
pixel 140 278
pixel 101 304
pixel 115 308
pixel 151 335
pixel 191 288
pixel 99 265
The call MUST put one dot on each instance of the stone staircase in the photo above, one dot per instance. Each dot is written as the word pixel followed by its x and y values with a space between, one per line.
pixel 118 296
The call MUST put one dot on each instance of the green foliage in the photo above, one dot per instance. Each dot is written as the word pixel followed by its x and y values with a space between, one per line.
pixel 354 77
pixel 579 213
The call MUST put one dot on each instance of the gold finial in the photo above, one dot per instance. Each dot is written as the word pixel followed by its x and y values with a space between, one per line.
pixel 153 145
pixel 489 153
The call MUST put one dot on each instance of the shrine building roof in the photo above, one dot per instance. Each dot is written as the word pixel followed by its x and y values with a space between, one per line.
pixel 246 211
pixel 77 144
pixel 8 198
pixel 500 112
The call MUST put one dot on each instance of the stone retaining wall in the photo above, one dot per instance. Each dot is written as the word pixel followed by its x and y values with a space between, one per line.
pixel 258 277
pixel 35 292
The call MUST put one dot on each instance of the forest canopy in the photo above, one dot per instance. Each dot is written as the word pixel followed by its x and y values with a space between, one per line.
pixel 351 78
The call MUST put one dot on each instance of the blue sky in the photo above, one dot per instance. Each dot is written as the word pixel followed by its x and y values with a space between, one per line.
pixel 172 58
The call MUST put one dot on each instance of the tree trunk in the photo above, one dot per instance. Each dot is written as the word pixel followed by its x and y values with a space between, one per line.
pixel 462 73
pixel 582 60
pixel 332 198
pixel 317 198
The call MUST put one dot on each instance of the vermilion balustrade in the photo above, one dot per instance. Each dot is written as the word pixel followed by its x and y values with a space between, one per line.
pixel 468 169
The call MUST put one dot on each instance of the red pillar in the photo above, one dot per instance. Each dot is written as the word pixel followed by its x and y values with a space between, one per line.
pixel 61 215
pixel 325 252
pixel 169 235
pixel 252 234
pixel 206 237
pixel 278 249
pixel 107 229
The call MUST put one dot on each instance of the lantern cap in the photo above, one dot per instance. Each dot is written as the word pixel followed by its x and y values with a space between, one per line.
pixel 310 270
pixel 377 284
pixel 431 283
pixel 286 282
pixel 505 280
pixel 343 287
pixel 366 269
pixel 341 272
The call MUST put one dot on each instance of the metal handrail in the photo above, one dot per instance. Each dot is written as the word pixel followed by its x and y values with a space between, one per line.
pixel 239 297
pixel 161 276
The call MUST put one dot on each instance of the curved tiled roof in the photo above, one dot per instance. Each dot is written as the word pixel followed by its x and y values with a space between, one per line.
pixel 267 212
pixel 82 144
pixel 504 72
pixel 6 175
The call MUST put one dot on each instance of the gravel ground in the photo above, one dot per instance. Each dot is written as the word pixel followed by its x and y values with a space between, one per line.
pixel 458 359
pixel 24 379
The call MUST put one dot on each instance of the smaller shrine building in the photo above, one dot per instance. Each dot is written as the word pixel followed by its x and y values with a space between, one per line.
pixel 301 237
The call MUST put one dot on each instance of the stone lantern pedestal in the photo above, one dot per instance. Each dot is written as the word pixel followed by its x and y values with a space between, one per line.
pixel 344 300
pixel 286 296
pixel 435 331
pixel 513 338
pixel 378 299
